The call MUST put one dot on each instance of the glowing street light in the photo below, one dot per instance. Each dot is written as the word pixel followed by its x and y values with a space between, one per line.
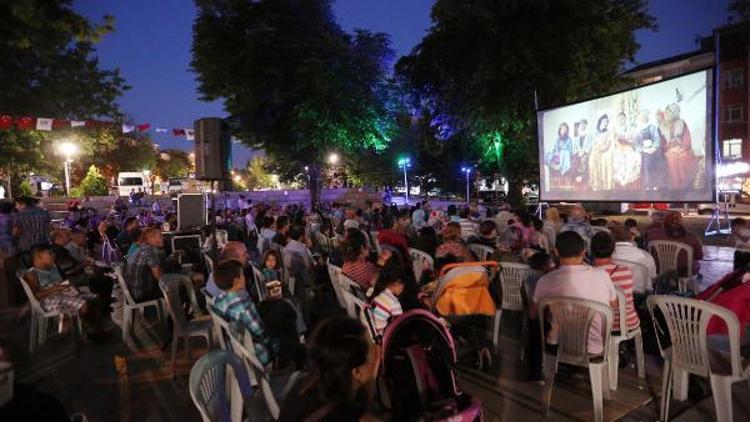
pixel 467 171
pixel 333 158
pixel 68 150
pixel 404 164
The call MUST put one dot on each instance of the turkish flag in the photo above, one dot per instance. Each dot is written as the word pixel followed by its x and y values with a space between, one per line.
pixel 25 123
pixel 6 122
pixel 143 127
pixel 178 132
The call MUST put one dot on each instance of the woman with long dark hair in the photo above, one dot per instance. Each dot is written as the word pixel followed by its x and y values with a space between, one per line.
pixel 344 365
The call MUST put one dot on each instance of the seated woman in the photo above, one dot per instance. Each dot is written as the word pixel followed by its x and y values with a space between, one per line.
pixel 344 365
pixel 356 266
pixel 510 246
pixel 46 283
pixel 452 244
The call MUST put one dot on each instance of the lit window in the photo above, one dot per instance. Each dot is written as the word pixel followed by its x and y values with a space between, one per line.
pixel 731 148
pixel 734 78
pixel 733 113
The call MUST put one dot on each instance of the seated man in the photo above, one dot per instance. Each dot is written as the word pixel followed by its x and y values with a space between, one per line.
pixel 46 283
pixel 577 223
pixel 602 247
pixel 235 306
pixel 146 266
pixel 236 251
pixel 123 239
pixel 487 234
pixel 578 280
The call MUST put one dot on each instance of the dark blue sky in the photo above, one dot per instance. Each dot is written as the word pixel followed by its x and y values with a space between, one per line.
pixel 152 38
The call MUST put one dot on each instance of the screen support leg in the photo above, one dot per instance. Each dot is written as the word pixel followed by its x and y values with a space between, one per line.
pixel 714 225
pixel 540 209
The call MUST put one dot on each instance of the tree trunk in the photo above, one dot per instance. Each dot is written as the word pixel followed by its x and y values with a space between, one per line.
pixel 314 185
pixel 515 196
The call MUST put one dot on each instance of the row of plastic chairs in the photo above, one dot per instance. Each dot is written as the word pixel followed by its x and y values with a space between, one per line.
pixel 352 298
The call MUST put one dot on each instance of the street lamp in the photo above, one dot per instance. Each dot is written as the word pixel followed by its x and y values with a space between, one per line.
pixel 467 171
pixel 404 164
pixel 68 150
pixel 333 158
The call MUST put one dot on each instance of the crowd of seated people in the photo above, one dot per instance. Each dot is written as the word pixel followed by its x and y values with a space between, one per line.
pixel 293 242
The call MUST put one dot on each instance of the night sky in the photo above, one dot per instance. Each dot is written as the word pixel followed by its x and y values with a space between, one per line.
pixel 152 38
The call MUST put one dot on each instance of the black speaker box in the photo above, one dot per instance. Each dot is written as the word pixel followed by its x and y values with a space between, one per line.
pixel 191 211
pixel 213 149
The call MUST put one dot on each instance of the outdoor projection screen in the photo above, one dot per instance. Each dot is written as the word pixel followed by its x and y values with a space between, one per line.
pixel 651 144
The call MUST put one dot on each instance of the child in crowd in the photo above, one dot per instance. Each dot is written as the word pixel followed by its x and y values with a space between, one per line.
pixel 385 293
pixel 272 273
pixel 741 234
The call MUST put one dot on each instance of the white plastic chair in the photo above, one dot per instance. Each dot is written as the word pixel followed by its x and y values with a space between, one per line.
pixel 209 379
pixel 335 273
pixel 183 329
pixel 209 263
pixel 482 252
pixel 573 318
pixel 420 261
pixel 694 352
pixel 512 279
pixel 641 281
pixel 221 328
pixel 363 312
pixel 259 376
pixel 130 306
pixel 259 280
pixel 209 299
pixel 599 229
pixel 350 288
pixel 40 318
pixel 667 254
pixel 625 334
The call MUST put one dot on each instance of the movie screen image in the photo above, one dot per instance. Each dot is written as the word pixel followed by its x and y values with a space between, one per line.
pixel 652 143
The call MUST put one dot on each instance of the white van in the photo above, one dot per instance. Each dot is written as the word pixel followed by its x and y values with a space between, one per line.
pixel 132 181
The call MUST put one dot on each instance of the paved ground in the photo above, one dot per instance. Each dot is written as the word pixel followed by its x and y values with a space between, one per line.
pixel 130 381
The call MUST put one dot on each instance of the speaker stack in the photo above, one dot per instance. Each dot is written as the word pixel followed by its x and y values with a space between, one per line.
pixel 213 149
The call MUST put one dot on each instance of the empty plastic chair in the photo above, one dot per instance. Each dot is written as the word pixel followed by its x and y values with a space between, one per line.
pixel 131 307
pixel 482 252
pixel 513 277
pixel 693 351
pixel 420 261
pixel 335 273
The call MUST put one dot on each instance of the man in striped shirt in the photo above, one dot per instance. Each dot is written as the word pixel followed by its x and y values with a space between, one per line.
pixel 602 247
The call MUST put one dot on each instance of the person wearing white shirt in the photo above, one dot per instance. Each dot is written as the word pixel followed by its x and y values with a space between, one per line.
pixel 626 250
pixel 578 280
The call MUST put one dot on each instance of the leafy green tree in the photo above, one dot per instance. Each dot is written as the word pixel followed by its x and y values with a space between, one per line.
pixel 293 82
pixel 482 64
pixel 94 184
pixel 173 163
pixel 48 68
pixel 256 174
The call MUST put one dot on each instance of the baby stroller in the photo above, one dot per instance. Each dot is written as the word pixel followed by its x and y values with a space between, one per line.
pixel 418 372
pixel 463 298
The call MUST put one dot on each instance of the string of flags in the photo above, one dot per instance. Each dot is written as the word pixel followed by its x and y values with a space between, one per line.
pixel 49 124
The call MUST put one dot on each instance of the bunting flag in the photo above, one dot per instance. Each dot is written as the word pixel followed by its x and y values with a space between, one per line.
pixel 25 123
pixel 6 122
pixel 50 124
pixel 44 123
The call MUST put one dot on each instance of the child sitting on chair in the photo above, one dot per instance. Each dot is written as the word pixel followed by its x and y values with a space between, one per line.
pixel 272 274
pixel 385 293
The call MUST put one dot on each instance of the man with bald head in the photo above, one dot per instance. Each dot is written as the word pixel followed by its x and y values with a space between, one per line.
pixel 577 223
pixel 235 251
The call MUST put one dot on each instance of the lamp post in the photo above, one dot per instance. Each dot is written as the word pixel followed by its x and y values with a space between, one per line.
pixel 68 150
pixel 405 163
pixel 467 171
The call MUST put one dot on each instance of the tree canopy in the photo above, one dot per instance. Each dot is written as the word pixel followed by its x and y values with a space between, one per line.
pixel 49 69
pixel 482 64
pixel 293 82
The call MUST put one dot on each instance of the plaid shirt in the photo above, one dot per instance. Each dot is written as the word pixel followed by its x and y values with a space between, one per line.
pixel 34 225
pixel 236 307
pixel 138 277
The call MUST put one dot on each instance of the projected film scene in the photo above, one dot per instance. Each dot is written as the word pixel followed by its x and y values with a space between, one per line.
pixel 651 143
